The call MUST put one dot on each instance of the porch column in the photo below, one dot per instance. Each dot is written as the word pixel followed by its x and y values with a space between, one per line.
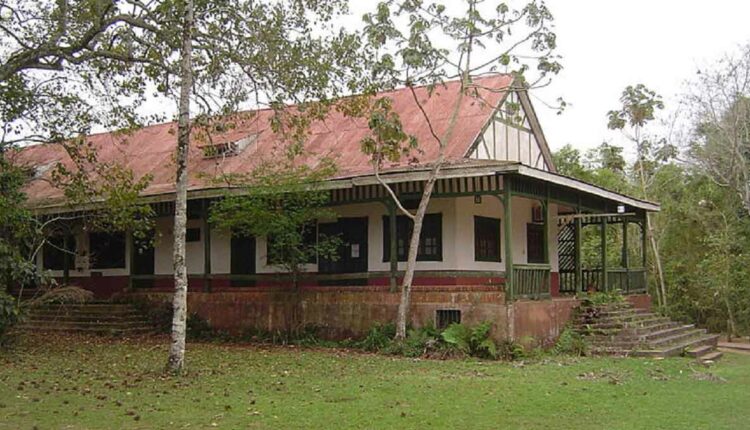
pixel 206 247
pixel 508 232
pixel 393 251
pixel 625 256
pixel 605 277
pixel 66 258
pixel 578 241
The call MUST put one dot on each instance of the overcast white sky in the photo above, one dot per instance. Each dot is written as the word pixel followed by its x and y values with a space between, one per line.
pixel 608 44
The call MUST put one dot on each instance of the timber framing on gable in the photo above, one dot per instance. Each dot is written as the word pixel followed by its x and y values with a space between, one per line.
pixel 514 112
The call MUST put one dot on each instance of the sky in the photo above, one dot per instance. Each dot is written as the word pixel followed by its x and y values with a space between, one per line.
pixel 607 45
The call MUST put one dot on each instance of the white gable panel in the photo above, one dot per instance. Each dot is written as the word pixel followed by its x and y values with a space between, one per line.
pixel 513 135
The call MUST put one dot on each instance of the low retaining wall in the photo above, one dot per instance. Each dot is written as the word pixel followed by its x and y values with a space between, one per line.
pixel 341 311
pixel 344 312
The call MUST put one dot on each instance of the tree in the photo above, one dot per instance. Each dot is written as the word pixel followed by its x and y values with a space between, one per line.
pixel 52 92
pixel 231 52
pixel 282 201
pixel 719 106
pixel 639 105
pixel 406 37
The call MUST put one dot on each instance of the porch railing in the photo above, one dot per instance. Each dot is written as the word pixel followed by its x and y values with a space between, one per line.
pixel 531 280
pixel 628 281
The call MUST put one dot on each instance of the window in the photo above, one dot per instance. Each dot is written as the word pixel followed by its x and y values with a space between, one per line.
pixel 107 250
pixel 535 243
pixel 486 239
pixel 193 235
pixel 446 317
pixel 54 253
pixel 430 241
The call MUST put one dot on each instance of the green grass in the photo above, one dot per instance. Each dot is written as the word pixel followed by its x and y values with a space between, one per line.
pixel 80 383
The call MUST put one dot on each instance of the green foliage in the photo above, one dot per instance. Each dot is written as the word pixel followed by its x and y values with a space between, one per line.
pixel 10 314
pixel 639 105
pixel 423 341
pixel 281 201
pixel 571 343
pixel 602 298
pixel 378 337
pixel 510 350
pixel 474 341
pixel 198 328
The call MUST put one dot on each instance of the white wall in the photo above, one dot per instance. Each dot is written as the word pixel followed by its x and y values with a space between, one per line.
pixel 458 239
pixel 503 142
pixel 163 248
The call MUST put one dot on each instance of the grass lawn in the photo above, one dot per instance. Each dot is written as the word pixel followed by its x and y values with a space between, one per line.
pixel 78 382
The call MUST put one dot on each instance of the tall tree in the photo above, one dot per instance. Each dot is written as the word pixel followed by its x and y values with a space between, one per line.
pixel 176 358
pixel 719 104
pixel 427 43
pixel 638 107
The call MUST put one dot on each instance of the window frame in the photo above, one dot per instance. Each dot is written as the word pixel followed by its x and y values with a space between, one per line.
pixel 432 224
pixel 118 263
pixel 478 219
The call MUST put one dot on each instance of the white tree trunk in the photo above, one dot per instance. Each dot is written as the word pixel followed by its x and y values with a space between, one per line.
pixel 176 360
pixel 405 303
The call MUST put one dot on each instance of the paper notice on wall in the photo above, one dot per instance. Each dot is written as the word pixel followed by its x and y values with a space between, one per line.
pixel 355 250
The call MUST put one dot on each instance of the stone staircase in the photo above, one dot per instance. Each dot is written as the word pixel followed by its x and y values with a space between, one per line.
pixel 96 318
pixel 620 329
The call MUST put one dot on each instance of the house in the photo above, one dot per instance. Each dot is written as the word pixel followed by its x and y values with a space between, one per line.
pixel 501 240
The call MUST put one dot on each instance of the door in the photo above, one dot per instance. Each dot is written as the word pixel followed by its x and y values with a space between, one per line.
pixel 142 261
pixel 242 255
pixel 535 243
pixel 352 254
pixel 242 259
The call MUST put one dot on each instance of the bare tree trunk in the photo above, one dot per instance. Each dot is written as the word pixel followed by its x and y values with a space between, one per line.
pixel 411 262
pixel 662 290
pixel 403 306
pixel 176 360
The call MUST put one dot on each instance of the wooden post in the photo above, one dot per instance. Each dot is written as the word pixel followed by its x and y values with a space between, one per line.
pixel 625 254
pixel 66 258
pixel 605 277
pixel 393 245
pixel 644 246
pixel 579 270
pixel 206 247
pixel 508 231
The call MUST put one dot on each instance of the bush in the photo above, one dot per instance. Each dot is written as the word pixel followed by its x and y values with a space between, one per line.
pixel 510 350
pixel 603 298
pixel 69 295
pixel 571 343
pixel 10 315
pixel 474 341
pixel 379 337
pixel 424 341
pixel 198 328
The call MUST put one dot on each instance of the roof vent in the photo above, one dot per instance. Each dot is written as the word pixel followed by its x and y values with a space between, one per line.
pixel 228 149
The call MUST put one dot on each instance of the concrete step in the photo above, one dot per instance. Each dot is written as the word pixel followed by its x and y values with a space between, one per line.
pixel 85 328
pixel 678 348
pixel 78 310
pixel 77 324
pixel 699 351
pixel 665 333
pixel 650 328
pixel 676 338
pixel 85 318
pixel 711 356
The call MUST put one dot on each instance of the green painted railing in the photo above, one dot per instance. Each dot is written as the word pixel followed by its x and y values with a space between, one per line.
pixel 628 281
pixel 531 280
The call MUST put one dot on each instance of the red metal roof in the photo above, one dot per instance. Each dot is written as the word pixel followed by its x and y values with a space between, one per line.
pixel 150 150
